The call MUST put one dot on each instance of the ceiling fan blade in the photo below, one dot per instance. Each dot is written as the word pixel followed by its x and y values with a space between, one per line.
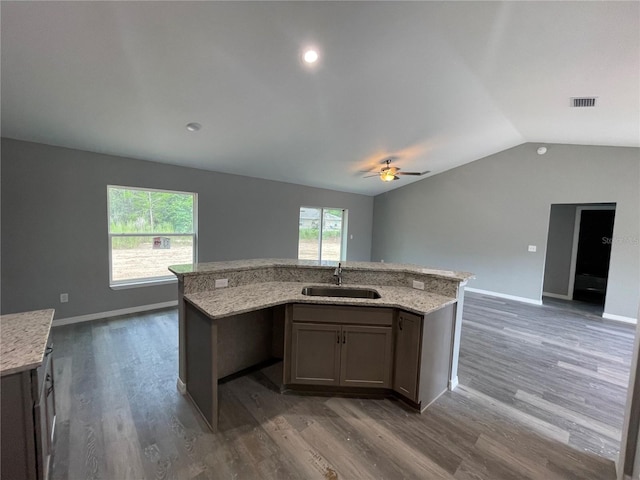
pixel 414 173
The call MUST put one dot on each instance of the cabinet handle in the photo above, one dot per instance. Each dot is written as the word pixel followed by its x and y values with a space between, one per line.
pixel 344 338
pixel 48 351
pixel 400 323
pixel 338 337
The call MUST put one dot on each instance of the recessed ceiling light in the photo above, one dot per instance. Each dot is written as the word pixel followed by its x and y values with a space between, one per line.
pixel 310 56
pixel 193 126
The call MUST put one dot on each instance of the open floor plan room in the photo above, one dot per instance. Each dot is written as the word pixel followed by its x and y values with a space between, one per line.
pixel 237 238
pixel 541 396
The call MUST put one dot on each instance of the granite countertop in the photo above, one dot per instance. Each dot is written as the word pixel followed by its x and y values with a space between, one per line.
pixel 235 265
pixel 23 340
pixel 224 302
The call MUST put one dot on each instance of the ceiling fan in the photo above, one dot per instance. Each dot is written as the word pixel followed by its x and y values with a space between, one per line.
pixel 389 173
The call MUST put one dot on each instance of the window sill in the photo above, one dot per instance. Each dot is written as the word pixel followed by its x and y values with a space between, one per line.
pixel 143 283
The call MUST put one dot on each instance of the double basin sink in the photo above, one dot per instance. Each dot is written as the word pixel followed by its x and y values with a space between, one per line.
pixel 347 292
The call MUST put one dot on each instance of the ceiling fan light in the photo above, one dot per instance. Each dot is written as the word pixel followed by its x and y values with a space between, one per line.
pixel 387 176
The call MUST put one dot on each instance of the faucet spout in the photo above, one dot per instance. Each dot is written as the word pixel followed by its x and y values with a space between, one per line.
pixel 337 274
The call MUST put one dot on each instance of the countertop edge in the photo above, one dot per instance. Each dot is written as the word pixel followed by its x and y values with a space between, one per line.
pixel 384 268
pixel 318 300
pixel 32 363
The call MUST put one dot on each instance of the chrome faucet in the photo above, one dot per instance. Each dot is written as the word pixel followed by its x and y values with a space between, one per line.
pixel 337 274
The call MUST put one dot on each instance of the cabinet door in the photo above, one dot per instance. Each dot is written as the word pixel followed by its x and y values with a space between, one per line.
pixel 51 403
pixel 315 354
pixel 407 353
pixel 41 432
pixel 366 356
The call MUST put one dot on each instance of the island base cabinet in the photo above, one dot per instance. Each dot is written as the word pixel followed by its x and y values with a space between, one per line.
pixel 407 355
pixel 27 405
pixel 423 353
pixel 435 354
pixel 366 356
pixel 316 354
pixel 341 355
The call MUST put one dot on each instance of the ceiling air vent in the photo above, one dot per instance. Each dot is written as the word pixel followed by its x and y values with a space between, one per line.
pixel 579 102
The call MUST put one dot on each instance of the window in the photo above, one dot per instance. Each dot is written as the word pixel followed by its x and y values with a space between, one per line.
pixel 148 231
pixel 321 234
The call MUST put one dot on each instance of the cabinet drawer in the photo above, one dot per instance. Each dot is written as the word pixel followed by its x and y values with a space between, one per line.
pixel 341 315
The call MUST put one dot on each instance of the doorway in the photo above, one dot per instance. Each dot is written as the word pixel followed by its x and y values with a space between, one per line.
pixel 592 255
pixel 578 252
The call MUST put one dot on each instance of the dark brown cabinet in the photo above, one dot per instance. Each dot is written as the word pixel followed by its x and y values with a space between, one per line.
pixel 341 346
pixel 366 358
pixel 407 355
pixel 316 354
pixel 28 419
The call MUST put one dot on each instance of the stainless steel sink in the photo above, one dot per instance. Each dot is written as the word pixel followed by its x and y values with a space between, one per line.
pixel 340 292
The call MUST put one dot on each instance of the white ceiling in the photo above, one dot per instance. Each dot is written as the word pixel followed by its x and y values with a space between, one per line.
pixel 437 84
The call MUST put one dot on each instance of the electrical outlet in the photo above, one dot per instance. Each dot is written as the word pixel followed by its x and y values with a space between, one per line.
pixel 418 285
pixel 222 282
pixel 64 297
pixel 532 248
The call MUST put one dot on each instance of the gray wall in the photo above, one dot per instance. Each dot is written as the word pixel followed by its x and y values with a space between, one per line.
pixel 481 217
pixel 54 224
pixel 557 270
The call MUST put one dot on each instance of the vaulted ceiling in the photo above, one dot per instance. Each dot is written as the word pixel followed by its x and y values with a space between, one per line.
pixel 435 84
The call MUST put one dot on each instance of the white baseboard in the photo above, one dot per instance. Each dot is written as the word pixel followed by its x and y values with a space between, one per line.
pixel 181 386
pixel 113 313
pixel 453 383
pixel 504 295
pixel 620 318
pixel 556 295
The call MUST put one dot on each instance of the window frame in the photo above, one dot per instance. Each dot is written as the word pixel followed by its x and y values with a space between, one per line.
pixel 149 281
pixel 343 232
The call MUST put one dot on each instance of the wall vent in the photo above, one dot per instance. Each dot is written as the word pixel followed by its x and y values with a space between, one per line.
pixel 580 102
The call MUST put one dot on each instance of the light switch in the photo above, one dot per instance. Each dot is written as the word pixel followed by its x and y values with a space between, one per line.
pixel 532 248
pixel 64 297
pixel 418 285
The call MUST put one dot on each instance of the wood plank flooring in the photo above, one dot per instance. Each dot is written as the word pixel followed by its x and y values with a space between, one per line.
pixel 560 364
pixel 541 397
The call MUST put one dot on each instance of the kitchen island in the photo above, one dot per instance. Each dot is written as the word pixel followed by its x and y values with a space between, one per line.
pixel 239 314
pixel 27 403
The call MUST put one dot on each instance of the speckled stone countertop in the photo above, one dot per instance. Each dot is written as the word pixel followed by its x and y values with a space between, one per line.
pixel 236 265
pixel 23 340
pixel 225 302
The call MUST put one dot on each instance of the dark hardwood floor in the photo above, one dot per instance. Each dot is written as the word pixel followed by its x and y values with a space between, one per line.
pixel 561 364
pixel 541 396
